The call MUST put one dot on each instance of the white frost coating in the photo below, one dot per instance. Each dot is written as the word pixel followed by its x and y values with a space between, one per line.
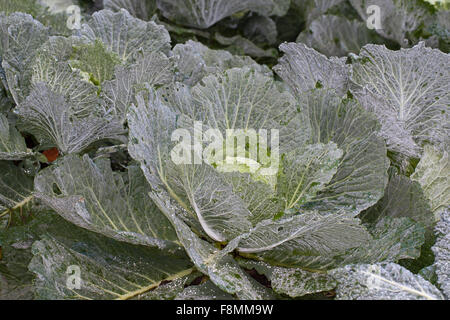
pixel 409 91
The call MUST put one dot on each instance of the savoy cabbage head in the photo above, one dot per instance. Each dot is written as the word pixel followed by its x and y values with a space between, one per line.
pixel 166 149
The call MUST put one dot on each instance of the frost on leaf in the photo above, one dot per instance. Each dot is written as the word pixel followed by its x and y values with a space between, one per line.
pixel 408 90
pixel 208 200
pixel 15 188
pixel 12 144
pixel 153 69
pixel 21 36
pixel 219 265
pixel 125 35
pixel 400 19
pixel 361 177
pixel 385 281
pixel 442 252
pixel 196 61
pixel 336 36
pixel 306 240
pixel 91 196
pixel 433 174
pixel 204 291
pixel 304 69
pixel 142 9
pixel 99 268
pixel 203 14
pixel 50 117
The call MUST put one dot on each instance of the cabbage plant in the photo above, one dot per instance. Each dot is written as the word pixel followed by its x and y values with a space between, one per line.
pixel 196 150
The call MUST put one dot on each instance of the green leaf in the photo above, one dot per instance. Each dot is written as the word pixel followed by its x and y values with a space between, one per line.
pixel 393 239
pixel 92 196
pixel 304 172
pixel 400 19
pixel 260 30
pixel 292 282
pixel 402 198
pixel 307 240
pixel 15 188
pixel 52 68
pixel 246 99
pixel 386 281
pixel 142 9
pixel 196 61
pixel 304 69
pixel 21 36
pixel 239 45
pixel 12 144
pixel 361 177
pixel 15 280
pixel 433 172
pixel 208 200
pixel 408 90
pixel 125 35
pixel 442 252
pixel 203 14
pixel 221 268
pixel 259 197
pixel 153 69
pixel 108 269
pixel 337 36
pixel 204 291
pixel 96 61
pixel 49 117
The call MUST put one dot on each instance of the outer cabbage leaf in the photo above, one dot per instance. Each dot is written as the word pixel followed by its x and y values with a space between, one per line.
pixel 49 117
pixel 409 92
pixel 125 35
pixel 312 9
pixel 386 281
pixel 15 188
pixel 307 240
pixel 393 239
pixel 337 36
pixel 362 174
pixel 402 198
pixel 304 69
pixel 442 252
pixel 433 174
pixel 242 46
pixel 41 10
pixel 12 144
pixel 142 9
pixel 219 265
pixel 293 282
pixel 62 79
pixel 21 37
pixel 209 201
pixel 400 19
pixel 260 30
pixel 91 196
pixel 108 269
pixel 204 291
pixel 15 280
pixel 205 13
pixel 151 69
pixel 196 61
